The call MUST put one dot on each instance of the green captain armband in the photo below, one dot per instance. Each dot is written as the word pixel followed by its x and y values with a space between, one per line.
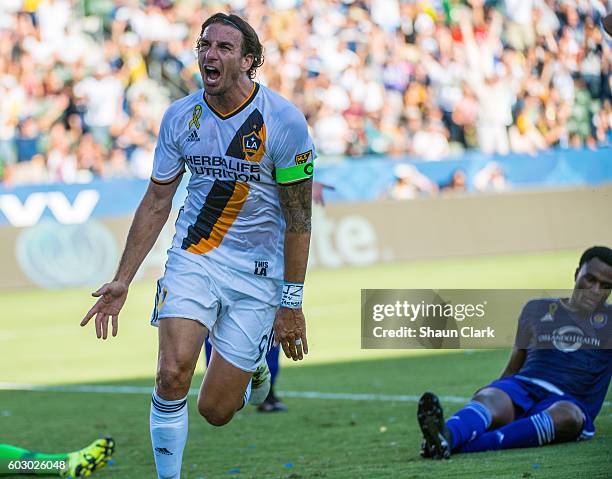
pixel 295 173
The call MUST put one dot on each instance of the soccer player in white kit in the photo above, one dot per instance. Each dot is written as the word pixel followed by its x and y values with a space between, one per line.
pixel 237 264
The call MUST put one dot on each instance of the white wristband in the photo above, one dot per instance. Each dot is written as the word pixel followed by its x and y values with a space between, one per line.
pixel 291 295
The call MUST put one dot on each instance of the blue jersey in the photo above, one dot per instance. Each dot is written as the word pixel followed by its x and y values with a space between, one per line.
pixel 569 350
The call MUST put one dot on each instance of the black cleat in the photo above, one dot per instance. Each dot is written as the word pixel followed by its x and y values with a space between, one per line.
pixel 272 404
pixel 436 437
pixel 425 449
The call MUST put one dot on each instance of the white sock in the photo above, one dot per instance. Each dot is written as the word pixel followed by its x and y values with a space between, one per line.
pixel 247 395
pixel 168 423
pixel 259 394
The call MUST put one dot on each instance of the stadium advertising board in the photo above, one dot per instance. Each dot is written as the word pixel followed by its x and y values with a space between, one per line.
pixel 369 178
pixel 70 235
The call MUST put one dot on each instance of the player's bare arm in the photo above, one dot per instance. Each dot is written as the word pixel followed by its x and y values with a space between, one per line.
pixel 290 324
pixel 150 217
pixel 519 353
pixel 515 362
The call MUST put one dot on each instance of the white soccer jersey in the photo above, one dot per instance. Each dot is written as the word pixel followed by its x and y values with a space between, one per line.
pixel 232 212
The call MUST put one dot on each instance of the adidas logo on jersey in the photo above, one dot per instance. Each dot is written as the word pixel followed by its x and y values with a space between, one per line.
pixel 193 136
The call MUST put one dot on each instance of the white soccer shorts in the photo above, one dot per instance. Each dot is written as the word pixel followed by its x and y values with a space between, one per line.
pixel 237 308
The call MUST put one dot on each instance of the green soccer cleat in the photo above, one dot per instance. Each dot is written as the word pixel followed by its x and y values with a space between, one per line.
pixel 260 384
pixel 436 437
pixel 85 462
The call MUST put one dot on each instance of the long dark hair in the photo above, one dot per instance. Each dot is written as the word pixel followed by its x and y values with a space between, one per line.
pixel 250 41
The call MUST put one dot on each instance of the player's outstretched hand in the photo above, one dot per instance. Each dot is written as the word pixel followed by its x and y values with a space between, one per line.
pixel 290 325
pixel 111 296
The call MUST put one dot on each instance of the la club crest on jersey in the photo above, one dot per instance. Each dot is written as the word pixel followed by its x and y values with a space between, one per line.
pixel 251 144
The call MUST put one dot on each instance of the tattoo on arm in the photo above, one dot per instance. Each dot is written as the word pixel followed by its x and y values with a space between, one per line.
pixel 296 203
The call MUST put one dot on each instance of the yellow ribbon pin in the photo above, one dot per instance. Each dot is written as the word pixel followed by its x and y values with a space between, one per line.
pixel 197 113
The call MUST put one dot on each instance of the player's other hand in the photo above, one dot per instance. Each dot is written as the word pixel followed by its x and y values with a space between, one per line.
pixel 290 325
pixel 317 192
pixel 111 296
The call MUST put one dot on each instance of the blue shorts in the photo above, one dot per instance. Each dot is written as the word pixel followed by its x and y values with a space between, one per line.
pixel 531 396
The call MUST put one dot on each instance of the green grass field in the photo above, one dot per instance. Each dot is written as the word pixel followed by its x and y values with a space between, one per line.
pixel 332 437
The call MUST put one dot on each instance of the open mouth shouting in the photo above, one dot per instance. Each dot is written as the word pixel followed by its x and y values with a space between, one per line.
pixel 212 76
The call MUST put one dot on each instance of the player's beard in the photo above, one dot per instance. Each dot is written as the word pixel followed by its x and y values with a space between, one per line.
pixel 229 80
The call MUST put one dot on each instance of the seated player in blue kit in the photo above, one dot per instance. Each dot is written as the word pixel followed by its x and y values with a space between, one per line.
pixel 555 382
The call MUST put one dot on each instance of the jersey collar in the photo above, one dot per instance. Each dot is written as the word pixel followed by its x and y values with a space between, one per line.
pixel 240 107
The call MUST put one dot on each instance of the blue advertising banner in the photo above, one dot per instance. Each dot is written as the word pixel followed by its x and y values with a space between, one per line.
pixel 356 179
pixel 74 203
pixel 368 178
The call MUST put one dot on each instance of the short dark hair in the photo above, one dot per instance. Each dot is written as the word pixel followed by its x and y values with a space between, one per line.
pixel 600 252
pixel 250 41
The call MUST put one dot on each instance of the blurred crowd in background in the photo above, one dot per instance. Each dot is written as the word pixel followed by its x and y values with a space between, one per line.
pixel 84 83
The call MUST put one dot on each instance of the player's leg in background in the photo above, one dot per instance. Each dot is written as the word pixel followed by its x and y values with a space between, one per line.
pixel 560 422
pixel 272 358
pixel 207 350
pixel 568 421
pixel 490 407
pixel 272 403
pixel 225 390
pixel 180 343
